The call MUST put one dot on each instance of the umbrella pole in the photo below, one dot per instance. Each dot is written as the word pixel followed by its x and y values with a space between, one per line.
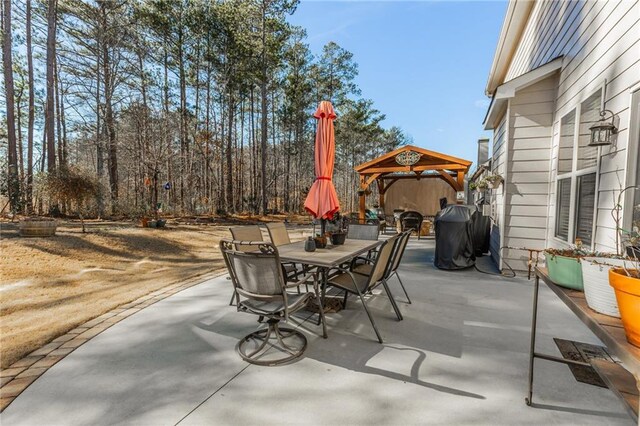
pixel 323 225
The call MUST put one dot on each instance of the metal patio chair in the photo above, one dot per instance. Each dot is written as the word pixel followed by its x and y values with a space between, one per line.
pixel 260 289
pixel 358 231
pixel 360 284
pixel 246 233
pixel 279 236
pixel 398 252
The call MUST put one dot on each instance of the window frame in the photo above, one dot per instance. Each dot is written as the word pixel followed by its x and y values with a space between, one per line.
pixel 575 173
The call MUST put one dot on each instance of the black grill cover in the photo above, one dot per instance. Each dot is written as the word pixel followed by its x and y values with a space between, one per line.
pixel 481 232
pixel 454 238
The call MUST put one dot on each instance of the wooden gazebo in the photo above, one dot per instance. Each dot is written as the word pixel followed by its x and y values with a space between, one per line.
pixel 409 162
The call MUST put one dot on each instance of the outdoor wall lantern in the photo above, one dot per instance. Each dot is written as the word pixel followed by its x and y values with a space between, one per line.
pixel 602 130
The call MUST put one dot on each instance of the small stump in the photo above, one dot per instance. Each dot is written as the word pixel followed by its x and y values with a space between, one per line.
pixel 36 227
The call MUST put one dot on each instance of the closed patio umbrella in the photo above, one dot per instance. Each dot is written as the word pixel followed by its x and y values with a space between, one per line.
pixel 322 200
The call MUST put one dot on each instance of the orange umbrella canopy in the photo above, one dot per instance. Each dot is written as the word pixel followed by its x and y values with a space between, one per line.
pixel 322 200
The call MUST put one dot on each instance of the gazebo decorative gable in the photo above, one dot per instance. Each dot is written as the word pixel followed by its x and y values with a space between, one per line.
pixel 410 162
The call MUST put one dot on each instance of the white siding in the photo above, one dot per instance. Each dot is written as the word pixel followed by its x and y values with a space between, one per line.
pixel 599 40
pixel 498 166
pixel 527 186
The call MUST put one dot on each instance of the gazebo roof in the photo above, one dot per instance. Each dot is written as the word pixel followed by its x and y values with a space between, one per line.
pixel 410 162
pixel 429 160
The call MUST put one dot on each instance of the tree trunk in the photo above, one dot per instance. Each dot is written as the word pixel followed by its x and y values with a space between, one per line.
pixel 264 122
pixel 99 147
pixel 7 59
pixel 49 113
pixel 183 119
pixel 229 200
pixel 31 114
pixel 112 150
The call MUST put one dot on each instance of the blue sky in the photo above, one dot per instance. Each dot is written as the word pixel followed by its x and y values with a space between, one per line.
pixel 424 63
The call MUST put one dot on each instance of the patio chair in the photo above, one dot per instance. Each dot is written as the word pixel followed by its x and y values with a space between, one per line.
pixel 358 231
pixel 358 283
pixel 411 220
pixel 260 289
pixel 398 252
pixel 246 233
pixel 252 233
pixel 278 233
pixel 279 236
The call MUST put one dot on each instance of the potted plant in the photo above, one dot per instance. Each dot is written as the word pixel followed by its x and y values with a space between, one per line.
pixel 494 181
pixel 595 269
pixel 336 229
pixel 632 243
pixel 626 283
pixel 481 185
pixel 564 266
pixel 321 241
pixel 595 276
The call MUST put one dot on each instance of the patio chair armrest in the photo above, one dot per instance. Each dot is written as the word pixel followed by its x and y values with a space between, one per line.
pixel 366 259
pixel 303 280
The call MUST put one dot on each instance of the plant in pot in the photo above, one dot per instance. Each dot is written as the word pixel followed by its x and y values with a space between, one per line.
pixel 336 229
pixel 564 266
pixel 481 185
pixel 321 241
pixel 595 269
pixel 494 181
pixel 626 283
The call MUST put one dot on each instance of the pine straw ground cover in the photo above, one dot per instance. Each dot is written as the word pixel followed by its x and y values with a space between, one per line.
pixel 49 286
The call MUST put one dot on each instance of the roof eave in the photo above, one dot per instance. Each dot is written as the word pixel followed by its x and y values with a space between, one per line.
pixel 515 21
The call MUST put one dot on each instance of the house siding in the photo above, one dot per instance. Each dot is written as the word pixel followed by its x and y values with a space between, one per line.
pixel 530 114
pixel 599 41
pixel 498 166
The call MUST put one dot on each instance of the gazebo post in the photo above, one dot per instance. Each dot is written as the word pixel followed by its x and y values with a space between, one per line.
pixel 381 190
pixel 361 193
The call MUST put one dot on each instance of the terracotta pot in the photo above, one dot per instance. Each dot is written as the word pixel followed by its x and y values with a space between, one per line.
pixel 628 295
pixel 144 222
pixel 565 271
pixel 321 242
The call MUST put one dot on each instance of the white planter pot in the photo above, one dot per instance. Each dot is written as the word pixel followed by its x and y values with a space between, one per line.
pixel 599 294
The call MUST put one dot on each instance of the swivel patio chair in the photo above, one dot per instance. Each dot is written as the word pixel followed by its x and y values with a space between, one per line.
pixel 411 220
pixel 398 252
pixel 360 284
pixel 260 289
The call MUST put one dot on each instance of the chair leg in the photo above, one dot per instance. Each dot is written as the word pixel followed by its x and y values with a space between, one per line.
pixel 321 315
pixel 392 300
pixel 373 323
pixel 233 295
pixel 344 301
pixel 403 289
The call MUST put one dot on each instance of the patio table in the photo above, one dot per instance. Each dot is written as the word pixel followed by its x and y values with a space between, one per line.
pixel 623 381
pixel 326 258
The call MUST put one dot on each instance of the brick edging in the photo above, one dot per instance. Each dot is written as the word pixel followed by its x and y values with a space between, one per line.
pixel 19 375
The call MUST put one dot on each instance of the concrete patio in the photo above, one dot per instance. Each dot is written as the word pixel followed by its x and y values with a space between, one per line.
pixel 459 357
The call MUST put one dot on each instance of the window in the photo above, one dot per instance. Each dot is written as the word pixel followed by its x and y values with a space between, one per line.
pixel 577 173
pixel 589 114
pixel 567 135
pixel 563 209
pixel 585 206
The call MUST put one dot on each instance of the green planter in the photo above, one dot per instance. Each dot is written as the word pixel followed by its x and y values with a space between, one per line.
pixel 565 271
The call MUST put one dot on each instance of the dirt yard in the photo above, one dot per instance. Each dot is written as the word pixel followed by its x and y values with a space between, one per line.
pixel 49 286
